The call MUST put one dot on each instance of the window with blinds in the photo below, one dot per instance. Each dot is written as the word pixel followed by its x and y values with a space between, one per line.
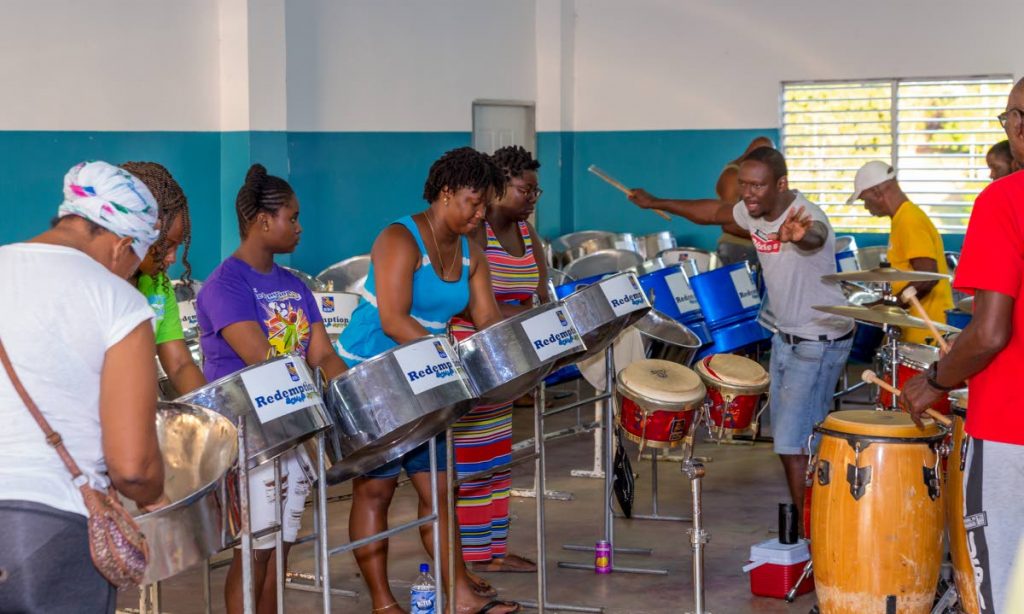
pixel 935 132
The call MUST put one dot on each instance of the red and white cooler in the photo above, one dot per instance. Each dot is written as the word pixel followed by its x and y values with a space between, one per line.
pixel 775 567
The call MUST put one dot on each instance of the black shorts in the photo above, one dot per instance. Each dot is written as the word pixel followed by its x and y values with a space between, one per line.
pixel 45 565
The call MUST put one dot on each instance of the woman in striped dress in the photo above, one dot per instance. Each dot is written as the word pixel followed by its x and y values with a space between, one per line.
pixel 483 438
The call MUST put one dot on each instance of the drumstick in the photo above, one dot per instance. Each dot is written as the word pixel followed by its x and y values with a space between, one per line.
pixel 870 377
pixel 618 185
pixel 910 295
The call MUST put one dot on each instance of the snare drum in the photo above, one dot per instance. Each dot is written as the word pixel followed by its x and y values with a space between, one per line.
pixel 735 385
pixel 658 400
pixel 959 551
pixel 912 359
pixel 877 513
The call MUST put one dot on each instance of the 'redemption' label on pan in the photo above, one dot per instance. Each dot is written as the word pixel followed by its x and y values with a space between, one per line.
pixel 426 364
pixel 685 299
pixel 623 294
pixel 279 388
pixel 551 334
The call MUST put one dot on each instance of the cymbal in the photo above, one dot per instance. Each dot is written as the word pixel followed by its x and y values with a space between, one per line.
pixel 884 275
pixel 883 314
pixel 966 304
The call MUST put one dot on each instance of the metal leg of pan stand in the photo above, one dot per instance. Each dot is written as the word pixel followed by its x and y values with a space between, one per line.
pixel 698 536
pixel 598 471
pixel 453 534
pixel 609 518
pixel 248 595
pixel 149 598
pixel 540 469
pixel 529 493
pixel 279 535
pixel 207 589
pixel 806 573
pixel 654 515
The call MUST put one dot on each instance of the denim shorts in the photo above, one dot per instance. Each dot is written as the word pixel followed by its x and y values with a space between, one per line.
pixel 804 377
pixel 415 461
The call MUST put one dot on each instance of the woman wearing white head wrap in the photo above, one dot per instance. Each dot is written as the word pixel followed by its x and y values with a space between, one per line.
pixel 80 339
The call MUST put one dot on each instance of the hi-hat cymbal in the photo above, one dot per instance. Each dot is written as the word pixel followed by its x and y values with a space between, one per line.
pixel 883 314
pixel 885 275
pixel 966 304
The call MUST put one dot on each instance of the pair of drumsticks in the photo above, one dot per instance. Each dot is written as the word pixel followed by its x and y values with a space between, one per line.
pixel 910 295
pixel 619 186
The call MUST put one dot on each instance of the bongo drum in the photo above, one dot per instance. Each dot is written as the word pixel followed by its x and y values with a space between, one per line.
pixel 735 384
pixel 658 400
pixel 963 571
pixel 877 513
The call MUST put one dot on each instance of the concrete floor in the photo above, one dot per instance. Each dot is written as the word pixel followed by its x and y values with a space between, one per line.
pixel 742 490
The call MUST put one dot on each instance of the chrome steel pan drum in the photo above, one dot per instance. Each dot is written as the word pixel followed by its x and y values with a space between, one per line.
pixel 621 241
pixel 603 310
pixel 566 243
pixel 311 282
pixel 508 359
pixel 602 262
pixel 199 448
pixel 278 399
pixel 871 257
pixel 703 259
pixel 165 389
pixel 653 244
pixel 349 275
pixel 667 339
pixel 392 403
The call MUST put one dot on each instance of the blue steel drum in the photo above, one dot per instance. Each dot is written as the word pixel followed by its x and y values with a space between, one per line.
pixel 733 337
pixel 670 292
pixel 569 287
pixel 727 295
pixel 846 261
pixel 957 318
pixel 567 373
pixel 867 338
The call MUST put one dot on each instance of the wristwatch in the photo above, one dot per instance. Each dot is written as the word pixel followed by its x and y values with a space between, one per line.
pixel 932 377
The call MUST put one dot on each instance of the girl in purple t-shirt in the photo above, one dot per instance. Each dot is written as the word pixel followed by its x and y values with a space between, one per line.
pixel 248 307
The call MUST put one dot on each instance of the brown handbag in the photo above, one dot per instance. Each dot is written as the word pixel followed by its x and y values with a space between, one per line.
pixel 118 547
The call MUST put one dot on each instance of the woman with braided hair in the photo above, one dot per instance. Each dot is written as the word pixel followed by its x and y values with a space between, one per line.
pixel 423 271
pixel 483 437
pixel 152 281
pixel 249 308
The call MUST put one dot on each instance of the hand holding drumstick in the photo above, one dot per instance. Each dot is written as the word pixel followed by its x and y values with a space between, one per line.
pixel 638 197
pixel 909 295
pixel 870 377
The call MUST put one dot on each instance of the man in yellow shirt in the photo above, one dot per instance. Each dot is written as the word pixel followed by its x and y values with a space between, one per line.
pixel 914 243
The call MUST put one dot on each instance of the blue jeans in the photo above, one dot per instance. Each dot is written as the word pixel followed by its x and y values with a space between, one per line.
pixel 804 377
pixel 414 461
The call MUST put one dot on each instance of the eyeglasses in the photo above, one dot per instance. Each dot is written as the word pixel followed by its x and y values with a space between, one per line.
pixel 1005 116
pixel 529 193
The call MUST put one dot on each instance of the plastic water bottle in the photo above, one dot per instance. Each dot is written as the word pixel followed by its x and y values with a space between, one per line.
pixel 423 596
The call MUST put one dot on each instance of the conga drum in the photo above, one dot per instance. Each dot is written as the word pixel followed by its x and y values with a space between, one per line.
pixel 658 401
pixel 735 384
pixel 877 513
pixel 963 571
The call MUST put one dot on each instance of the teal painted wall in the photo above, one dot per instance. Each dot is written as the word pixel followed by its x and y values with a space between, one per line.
pixel 352 183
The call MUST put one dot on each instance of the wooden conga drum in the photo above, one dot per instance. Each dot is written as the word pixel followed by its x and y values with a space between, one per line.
pixel 877 514
pixel 963 571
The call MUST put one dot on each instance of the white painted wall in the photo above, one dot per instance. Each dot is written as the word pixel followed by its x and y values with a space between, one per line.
pixel 671 64
pixel 405 65
pixel 109 65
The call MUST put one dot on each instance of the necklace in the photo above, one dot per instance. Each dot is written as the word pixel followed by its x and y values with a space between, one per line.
pixel 433 237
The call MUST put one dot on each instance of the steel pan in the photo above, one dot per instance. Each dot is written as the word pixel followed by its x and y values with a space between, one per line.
pixel 349 275
pixel 871 257
pixel 392 403
pixel 508 359
pixel 311 282
pixel 667 339
pixel 846 243
pixel 602 262
pixel 650 245
pixel 622 241
pixel 604 309
pixel 165 389
pixel 199 449
pixel 183 292
pixel 565 243
pixel 279 400
pixel 704 260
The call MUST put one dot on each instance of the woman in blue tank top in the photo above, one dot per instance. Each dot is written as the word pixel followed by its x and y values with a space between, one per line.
pixel 423 271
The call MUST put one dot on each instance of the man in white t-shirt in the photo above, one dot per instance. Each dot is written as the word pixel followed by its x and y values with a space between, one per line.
pixel 795 247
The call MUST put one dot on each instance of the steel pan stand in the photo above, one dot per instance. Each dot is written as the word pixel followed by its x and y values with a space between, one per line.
pixel 609 517
pixel 694 470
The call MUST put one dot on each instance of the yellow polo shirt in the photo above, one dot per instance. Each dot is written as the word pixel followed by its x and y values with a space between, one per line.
pixel 913 235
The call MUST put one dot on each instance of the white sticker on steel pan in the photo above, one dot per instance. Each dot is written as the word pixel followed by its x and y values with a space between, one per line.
pixel 847 262
pixel 427 365
pixel 745 289
pixel 623 294
pixel 550 333
pixel 187 313
pixel 336 309
pixel 624 245
pixel 686 301
pixel 279 388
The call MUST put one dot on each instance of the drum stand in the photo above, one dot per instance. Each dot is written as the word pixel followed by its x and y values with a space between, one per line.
pixel 694 470
pixel 654 515
pixel 609 517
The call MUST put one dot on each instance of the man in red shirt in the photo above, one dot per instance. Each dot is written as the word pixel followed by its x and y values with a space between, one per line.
pixel 990 351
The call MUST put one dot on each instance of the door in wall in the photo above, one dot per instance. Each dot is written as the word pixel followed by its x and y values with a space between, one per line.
pixel 497 124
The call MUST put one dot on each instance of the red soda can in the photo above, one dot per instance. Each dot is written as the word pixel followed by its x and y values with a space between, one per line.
pixel 602 557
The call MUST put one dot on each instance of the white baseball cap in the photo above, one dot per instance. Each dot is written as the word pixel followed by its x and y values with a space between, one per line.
pixel 870 175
